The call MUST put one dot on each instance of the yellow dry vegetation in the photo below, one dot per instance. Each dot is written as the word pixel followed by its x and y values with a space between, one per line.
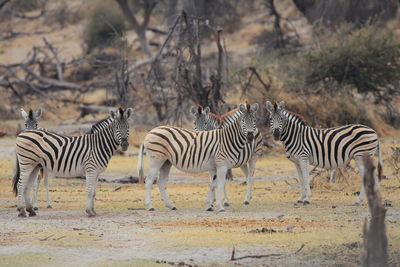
pixel 330 227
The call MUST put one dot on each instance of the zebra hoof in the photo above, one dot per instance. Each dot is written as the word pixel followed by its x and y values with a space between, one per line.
pixel 31 212
pixel 246 202
pixel 151 209
pixel 35 208
pixel 306 202
pixel 173 208
pixel 226 204
pixel 221 210
pixel 299 201
pixel 21 213
pixel 49 207
pixel 210 209
pixel 91 213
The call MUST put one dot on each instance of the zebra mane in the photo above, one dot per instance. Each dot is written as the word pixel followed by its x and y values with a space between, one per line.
pixel 30 114
pixel 227 116
pixel 100 125
pixel 297 118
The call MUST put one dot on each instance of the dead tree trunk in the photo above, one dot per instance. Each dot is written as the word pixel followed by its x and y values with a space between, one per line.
pixel 375 240
pixel 141 28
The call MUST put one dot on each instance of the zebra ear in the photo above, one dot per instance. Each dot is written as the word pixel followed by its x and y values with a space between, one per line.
pixel 113 114
pixel 194 110
pixel 128 113
pixel 37 113
pixel 242 107
pixel 281 105
pixel 270 107
pixel 206 110
pixel 24 114
pixel 254 107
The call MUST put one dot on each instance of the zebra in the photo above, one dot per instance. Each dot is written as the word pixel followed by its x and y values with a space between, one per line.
pixel 329 148
pixel 31 122
pixel 87 155
pixel 215 151
pixel 205 121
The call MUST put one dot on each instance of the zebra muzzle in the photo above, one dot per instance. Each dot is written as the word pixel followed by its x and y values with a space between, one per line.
pixel 277 135
pixel 124 144
pixel 250 137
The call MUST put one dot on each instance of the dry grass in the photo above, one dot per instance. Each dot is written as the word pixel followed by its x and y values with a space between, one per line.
pixel 330 227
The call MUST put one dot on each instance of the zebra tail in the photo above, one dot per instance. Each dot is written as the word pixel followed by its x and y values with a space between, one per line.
pixel 16 176
pixel 140 164
pixel 380 168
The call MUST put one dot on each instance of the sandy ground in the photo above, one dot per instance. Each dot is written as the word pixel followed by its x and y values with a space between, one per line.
pixel 125 234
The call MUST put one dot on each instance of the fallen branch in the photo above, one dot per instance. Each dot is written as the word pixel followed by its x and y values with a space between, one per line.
pixel 233 258
pixel 58 62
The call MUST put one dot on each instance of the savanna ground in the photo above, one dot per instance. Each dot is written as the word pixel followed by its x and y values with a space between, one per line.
pixel 125 234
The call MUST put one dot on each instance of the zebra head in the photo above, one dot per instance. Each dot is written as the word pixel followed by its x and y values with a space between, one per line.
pixel 121 126
pixel 202 119
pixel 248 119
pixel 276 118
pixel 31 117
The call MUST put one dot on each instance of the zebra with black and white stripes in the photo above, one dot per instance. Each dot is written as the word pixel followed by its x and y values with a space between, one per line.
pixel 31 122
pixel 215 151
pixel 330 148
pixel 206 121
pixel 68 156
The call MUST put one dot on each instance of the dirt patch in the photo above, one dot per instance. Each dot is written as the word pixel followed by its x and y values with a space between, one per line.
pixel 125 234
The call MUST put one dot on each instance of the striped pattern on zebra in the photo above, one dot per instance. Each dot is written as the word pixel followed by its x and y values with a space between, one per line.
pixel 215 151
pixel 68 156
pixel 330 148
pixel 204 121
pixel 31 122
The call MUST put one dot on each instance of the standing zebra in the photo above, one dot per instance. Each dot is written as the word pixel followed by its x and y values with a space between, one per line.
pixel 206 121
pixel 330 148
pixel 215 151
pixel 31 123
pixel 68 156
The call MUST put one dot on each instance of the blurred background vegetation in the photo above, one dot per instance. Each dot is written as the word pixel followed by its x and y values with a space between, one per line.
pixel 334 62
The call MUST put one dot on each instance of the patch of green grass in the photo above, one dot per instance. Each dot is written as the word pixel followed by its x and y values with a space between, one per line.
pixel 28 259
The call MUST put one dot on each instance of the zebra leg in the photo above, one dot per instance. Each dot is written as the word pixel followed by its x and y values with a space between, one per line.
pixel 226 200
pixel 31 179
pixel 24 175
pixel 332 176
pixel 91 184
pixel 361 167
pixel 221 175
pixel 36 184
pixel 250 173
pixel 162 180
pixel 45 175
pixel 211 193
pixel 155 166
pixel 300 174
pixel 306 181
pixel 245 171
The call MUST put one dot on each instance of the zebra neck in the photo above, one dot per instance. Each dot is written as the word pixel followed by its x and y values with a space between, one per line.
pixel 292 134
pixel 105 138
pixel 234 134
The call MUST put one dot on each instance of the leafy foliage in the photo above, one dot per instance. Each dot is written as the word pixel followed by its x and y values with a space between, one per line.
pixel 105 26
pixel 367 59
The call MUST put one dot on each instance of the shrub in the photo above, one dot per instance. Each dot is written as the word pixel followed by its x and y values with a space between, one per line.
pixel 25 5
pixel 105 26
pixel 367 59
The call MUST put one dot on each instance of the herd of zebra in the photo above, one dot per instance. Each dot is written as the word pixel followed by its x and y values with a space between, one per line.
pixel 216 145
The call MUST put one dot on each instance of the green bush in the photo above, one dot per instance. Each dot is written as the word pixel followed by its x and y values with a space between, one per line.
pixel 25 5
pixel 105 26
pixel 367 59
